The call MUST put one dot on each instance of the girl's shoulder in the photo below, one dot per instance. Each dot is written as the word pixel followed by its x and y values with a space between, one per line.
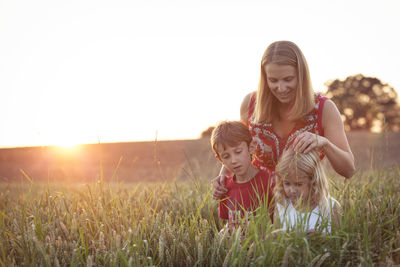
pixel 333 204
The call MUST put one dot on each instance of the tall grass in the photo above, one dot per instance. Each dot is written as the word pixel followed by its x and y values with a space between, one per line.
pixel 176 224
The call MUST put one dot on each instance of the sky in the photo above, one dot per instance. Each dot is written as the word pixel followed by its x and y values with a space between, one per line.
pixel 89 71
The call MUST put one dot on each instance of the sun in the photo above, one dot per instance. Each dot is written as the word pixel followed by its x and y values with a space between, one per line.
pixel 68 149
pixel 68 146
pixel 64 144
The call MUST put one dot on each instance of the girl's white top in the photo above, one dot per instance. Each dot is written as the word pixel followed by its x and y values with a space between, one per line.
pixel 290 218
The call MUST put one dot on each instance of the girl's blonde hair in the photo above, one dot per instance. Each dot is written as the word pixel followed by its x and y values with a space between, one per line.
pixel 284 53
pixel 304 165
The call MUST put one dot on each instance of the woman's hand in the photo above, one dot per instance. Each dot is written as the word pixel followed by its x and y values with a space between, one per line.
pixel 306 142
pixel 219 187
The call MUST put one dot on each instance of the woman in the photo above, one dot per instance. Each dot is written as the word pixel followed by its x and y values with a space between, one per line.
pixel 285 111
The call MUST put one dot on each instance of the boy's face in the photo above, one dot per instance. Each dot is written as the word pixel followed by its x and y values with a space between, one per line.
pixel 296 186
pixel 237 159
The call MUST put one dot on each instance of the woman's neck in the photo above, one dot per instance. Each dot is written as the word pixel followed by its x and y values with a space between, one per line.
pixel 284 110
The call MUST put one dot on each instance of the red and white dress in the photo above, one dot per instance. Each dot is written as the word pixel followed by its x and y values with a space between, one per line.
pixel 270 146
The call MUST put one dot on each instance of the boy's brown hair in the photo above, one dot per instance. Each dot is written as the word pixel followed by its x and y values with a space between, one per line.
pixel 229 133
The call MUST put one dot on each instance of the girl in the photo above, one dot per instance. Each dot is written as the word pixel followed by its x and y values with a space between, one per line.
pixel 302 193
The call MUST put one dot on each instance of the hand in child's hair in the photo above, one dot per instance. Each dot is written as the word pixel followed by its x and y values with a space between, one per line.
pixel 306 141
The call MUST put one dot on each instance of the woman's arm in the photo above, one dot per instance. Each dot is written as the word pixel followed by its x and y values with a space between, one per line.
pixel 337 148
pixel 219 183
pixel 334 142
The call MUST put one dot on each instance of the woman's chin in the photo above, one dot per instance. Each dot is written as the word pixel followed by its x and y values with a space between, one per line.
pixel 286 100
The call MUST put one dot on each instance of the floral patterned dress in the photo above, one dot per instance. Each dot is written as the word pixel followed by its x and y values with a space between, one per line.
pixel 270 146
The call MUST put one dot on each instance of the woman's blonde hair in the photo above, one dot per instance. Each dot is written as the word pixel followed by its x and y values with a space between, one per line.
pixel 308 165
pixel 284 53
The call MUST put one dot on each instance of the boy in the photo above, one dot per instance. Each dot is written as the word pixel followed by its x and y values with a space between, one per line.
pixel 233 145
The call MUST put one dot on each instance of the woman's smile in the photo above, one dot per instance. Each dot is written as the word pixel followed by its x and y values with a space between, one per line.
pixel 282 81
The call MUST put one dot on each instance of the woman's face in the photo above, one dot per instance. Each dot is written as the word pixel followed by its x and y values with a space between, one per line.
pixel 282 81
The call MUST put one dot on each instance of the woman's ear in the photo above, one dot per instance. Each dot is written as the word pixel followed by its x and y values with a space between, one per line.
pixel 252 147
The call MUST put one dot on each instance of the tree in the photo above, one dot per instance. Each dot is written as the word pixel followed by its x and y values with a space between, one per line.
pixel 365 103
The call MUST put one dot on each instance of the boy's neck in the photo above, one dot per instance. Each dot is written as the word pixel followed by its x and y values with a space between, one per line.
pixel 251 172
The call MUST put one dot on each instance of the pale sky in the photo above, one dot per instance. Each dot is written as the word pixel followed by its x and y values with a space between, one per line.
pixel 117 71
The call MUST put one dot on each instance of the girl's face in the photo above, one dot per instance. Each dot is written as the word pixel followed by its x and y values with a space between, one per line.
pixel 296 186
pixel 282 81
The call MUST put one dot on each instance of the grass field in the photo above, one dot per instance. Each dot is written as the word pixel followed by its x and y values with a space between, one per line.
pixel 175 223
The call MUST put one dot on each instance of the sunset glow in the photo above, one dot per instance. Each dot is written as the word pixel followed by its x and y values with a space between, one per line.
pixel 68 146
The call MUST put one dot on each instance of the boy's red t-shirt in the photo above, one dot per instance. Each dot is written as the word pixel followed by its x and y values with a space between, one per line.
pixel 244 197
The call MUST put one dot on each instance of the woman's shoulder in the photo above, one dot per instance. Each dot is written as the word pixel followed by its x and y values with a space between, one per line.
pixel 330 113
pixel 245 106
pixel 247 99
